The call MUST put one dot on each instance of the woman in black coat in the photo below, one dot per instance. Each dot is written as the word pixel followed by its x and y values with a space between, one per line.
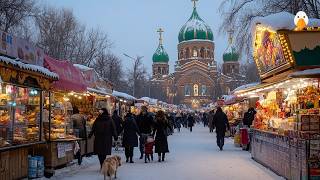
pixel 103 129
pixel 221 124
pixel 161 133
pixel 130 136
pixel 191 121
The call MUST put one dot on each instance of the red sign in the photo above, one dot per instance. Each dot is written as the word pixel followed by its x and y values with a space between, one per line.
pixel 20 48
pixel 70 78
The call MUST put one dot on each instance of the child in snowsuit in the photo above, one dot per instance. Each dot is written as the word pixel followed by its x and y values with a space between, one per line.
pixel 148 149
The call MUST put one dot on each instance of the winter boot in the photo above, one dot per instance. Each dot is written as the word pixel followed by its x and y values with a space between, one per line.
pixel 159 158
pixel 163 156
pixel 131 161
pixel 151 157
pixel 141 157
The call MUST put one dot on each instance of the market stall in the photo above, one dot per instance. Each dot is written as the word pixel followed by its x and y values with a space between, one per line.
pixel 59 132
pixel 124 102
pixel 23 82
pixel 99 95
pixel 286 134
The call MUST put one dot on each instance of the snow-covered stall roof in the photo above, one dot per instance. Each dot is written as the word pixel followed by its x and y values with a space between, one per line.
pixel 123 95
pixel 98 91
pixel 246 86
pixel 281 20
pixel 30 67
pixel 306 73
pixel 151 101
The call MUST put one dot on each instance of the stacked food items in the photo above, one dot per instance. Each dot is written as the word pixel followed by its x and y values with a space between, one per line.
pixel 274 113
pixel 4 118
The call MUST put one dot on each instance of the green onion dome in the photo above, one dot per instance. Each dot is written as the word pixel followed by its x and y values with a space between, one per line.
pixel 230 55
pixel 195 28
pixel 160 56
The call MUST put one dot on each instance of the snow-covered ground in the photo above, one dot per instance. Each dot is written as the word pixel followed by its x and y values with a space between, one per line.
pixel 192 156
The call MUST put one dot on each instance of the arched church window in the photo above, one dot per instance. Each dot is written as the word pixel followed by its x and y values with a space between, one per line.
pixel 187 90
pixel 203 90
pixel 202 52
pixel 195 52
pixel 196 90
pixel 187 53
pixel 181 55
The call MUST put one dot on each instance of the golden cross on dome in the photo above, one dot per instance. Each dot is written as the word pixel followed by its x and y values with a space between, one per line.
pixel 160 31
pixel 194 3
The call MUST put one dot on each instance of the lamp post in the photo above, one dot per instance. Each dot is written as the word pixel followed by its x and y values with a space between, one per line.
pixel 135 67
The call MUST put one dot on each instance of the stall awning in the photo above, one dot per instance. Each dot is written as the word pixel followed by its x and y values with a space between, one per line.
pixel 70 78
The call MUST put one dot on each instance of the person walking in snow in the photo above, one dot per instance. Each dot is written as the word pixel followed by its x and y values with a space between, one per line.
pixel 130 136
pixel 210 121
pixel 221 123
pixel 117 121
pixel 190 121
pixel 103 129
pixel 177 122
pixel 145 123
pixel 161 135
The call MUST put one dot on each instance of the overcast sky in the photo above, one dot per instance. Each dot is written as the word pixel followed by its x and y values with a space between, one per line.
pixel 131 24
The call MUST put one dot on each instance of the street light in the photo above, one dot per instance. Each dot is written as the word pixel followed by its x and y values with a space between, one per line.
pixel 136 60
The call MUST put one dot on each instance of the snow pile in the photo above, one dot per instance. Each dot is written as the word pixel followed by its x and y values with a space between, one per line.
pixel 29 67
pixel 309 72
pixel 123 95
pixel 282 20
pixel 246 86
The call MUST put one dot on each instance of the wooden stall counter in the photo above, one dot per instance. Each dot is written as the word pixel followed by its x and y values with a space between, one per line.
pixel 14 161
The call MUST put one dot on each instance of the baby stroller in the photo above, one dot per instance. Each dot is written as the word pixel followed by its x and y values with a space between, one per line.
pixel 118 144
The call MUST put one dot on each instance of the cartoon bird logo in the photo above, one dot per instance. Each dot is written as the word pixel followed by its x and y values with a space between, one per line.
pixel 301 21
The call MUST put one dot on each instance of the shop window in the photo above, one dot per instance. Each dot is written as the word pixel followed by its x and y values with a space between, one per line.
pixel 19 115
pixel 196 90
pixel 203 90
pixel 187 90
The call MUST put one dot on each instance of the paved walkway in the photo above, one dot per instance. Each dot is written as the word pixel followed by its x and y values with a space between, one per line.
pixel 192 156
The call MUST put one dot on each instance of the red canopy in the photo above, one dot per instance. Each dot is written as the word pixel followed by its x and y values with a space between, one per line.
pixel 70 78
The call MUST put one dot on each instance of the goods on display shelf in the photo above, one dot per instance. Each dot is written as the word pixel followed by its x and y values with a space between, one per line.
pixel 291 107
pixel 19 115
pixel 61 111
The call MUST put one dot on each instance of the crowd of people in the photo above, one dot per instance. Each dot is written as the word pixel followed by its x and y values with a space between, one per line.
pixel 150 131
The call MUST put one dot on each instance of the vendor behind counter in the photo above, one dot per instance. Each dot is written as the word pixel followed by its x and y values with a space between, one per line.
pixel 79 123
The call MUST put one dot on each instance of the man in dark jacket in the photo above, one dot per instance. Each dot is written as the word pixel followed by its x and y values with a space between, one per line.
pixel 191 121
pixel 249 117
pixel 145 123
pixel 117 121
pixel 221 124
pixel 130 136
pixel 103 129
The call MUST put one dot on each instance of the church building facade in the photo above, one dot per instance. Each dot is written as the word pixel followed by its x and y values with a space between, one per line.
pixel 195 81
